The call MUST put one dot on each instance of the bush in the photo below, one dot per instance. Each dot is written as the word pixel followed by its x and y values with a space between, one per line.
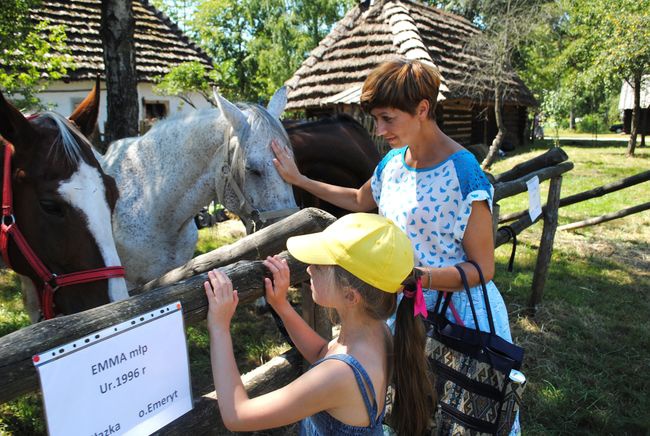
pixel 592 123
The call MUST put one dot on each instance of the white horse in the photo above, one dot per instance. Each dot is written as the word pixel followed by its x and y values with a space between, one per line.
pixel 180 165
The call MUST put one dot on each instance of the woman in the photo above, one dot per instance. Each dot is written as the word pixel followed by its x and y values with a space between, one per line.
pixel 428 184
pixel 357 266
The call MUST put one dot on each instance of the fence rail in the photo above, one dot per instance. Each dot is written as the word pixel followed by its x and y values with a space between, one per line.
pixel 17 372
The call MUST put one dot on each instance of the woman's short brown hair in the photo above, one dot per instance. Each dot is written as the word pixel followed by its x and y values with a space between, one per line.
pixel 401 84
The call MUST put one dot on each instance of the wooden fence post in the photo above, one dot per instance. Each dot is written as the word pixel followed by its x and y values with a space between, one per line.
pixel 546 243
pixel 495 221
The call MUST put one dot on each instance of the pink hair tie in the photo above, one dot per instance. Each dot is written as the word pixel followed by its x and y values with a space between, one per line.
pixel 419 306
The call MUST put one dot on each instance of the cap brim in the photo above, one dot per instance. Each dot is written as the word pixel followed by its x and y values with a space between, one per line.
pixel 311 249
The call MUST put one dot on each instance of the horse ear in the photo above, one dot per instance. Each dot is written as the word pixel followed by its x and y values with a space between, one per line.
pixel 85 115
pixel 232 113
pixel 278 102
pixel 14 127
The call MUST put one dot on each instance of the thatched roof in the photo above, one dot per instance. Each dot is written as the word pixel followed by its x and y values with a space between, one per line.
pixel 159 43
pixel 370 35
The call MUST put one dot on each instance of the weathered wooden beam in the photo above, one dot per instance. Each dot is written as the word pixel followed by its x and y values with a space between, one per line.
pixel 546 244
pixel 607 217
pixel 514 187
pixel 550 158
pixel 17 372
pixel 518 226
pixel 266 242
pixel 204 418
pixel 592 193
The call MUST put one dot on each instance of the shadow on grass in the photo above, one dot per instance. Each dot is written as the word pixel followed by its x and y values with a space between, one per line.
pixel 587 348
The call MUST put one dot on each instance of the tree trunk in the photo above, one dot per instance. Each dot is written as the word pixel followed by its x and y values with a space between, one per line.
pixel 572 120
pixel 644 126
pixel 636 112
pixel 117 29
pixel 493 152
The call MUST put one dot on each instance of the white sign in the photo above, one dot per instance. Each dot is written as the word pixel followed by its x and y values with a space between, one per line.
pixel 128 379
pixel 534 201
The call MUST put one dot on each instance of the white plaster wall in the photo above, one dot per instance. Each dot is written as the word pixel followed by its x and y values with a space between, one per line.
pixel 63 97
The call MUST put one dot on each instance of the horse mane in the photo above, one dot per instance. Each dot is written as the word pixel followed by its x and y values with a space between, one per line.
pixel 261 118
pixel 68 137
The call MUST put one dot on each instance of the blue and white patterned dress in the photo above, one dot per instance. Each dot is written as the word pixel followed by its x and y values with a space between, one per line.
pixel 432 205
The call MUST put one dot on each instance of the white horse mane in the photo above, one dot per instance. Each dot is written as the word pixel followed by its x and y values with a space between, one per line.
pixel 67 138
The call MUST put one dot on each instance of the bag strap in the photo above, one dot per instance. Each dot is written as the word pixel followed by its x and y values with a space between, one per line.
pixel 513 236
pixel 463 277
pixel 485 295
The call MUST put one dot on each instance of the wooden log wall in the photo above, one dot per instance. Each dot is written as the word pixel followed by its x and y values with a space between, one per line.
pixel 456 121
pixel 484 127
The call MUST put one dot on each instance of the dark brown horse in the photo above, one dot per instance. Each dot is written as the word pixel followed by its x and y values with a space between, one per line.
pixel 62 205
pixel 335 150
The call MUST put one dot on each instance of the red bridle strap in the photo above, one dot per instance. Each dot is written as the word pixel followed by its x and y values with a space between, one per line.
pixel 51 282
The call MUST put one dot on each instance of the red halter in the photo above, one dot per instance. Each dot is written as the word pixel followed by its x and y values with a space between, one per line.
pixel 51 281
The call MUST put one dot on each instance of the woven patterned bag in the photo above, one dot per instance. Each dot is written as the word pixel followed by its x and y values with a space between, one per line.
pixel 476 394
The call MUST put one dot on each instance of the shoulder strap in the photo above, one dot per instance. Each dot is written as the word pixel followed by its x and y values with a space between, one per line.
pixel 468 290
pixel 363 380
pixel 485 295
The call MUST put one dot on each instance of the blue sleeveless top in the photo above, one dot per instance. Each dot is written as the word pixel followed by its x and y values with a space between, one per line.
pixel 322 423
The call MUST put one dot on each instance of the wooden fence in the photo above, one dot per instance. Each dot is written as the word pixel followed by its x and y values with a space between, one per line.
pixel 17 372
pixel 18 375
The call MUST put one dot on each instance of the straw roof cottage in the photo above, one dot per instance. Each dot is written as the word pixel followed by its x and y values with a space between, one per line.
pixel 330 79
pixel 159 45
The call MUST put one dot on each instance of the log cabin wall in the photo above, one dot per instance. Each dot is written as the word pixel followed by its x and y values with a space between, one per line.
pixel 456 121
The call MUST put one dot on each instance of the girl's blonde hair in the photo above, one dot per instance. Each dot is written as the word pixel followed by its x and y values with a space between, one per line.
pixel 414 397
pixel 401 84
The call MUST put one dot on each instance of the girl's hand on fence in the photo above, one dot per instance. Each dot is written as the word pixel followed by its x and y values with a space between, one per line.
pixel 285 164
pixel 222 300
pixel 276 290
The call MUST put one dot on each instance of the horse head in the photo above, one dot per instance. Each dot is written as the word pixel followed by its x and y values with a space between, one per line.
pixel 62 204
pixel 251 186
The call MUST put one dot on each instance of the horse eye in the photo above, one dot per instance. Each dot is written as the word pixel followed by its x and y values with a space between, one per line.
pixel 51 208
pixel 254 171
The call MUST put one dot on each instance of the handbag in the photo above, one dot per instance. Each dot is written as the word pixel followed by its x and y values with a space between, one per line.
pixel 476 394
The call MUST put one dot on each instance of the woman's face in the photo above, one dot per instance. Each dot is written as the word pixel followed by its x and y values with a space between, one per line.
pixel 396 126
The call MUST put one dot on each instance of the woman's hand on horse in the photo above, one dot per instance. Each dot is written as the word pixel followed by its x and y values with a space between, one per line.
pixel 276 290
pixel 285 164
pixel 222 300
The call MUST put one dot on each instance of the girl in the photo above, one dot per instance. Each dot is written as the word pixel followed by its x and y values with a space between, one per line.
pixel 357 266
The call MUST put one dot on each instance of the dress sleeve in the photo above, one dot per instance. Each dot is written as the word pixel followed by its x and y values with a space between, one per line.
pixel 376 179
pixel 375 184
pixel 474 187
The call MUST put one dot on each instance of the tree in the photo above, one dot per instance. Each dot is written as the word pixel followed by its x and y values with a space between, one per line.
pixel 31 54
pixel 611 44
pixel 256 44
pixel 117 29
pixel 506 25
pixel 186 79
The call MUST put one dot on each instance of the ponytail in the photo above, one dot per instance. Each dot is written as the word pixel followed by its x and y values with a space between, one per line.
pixel 414 396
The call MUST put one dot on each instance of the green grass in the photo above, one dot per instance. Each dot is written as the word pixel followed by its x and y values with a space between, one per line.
pixel 550 133
pixel 587 348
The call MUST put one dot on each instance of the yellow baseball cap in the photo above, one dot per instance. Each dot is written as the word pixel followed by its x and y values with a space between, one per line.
pixel 367 245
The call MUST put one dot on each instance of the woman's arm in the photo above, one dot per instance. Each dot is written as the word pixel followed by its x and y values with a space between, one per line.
pixel 478 242
pixel 311 345
pixel 352 199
